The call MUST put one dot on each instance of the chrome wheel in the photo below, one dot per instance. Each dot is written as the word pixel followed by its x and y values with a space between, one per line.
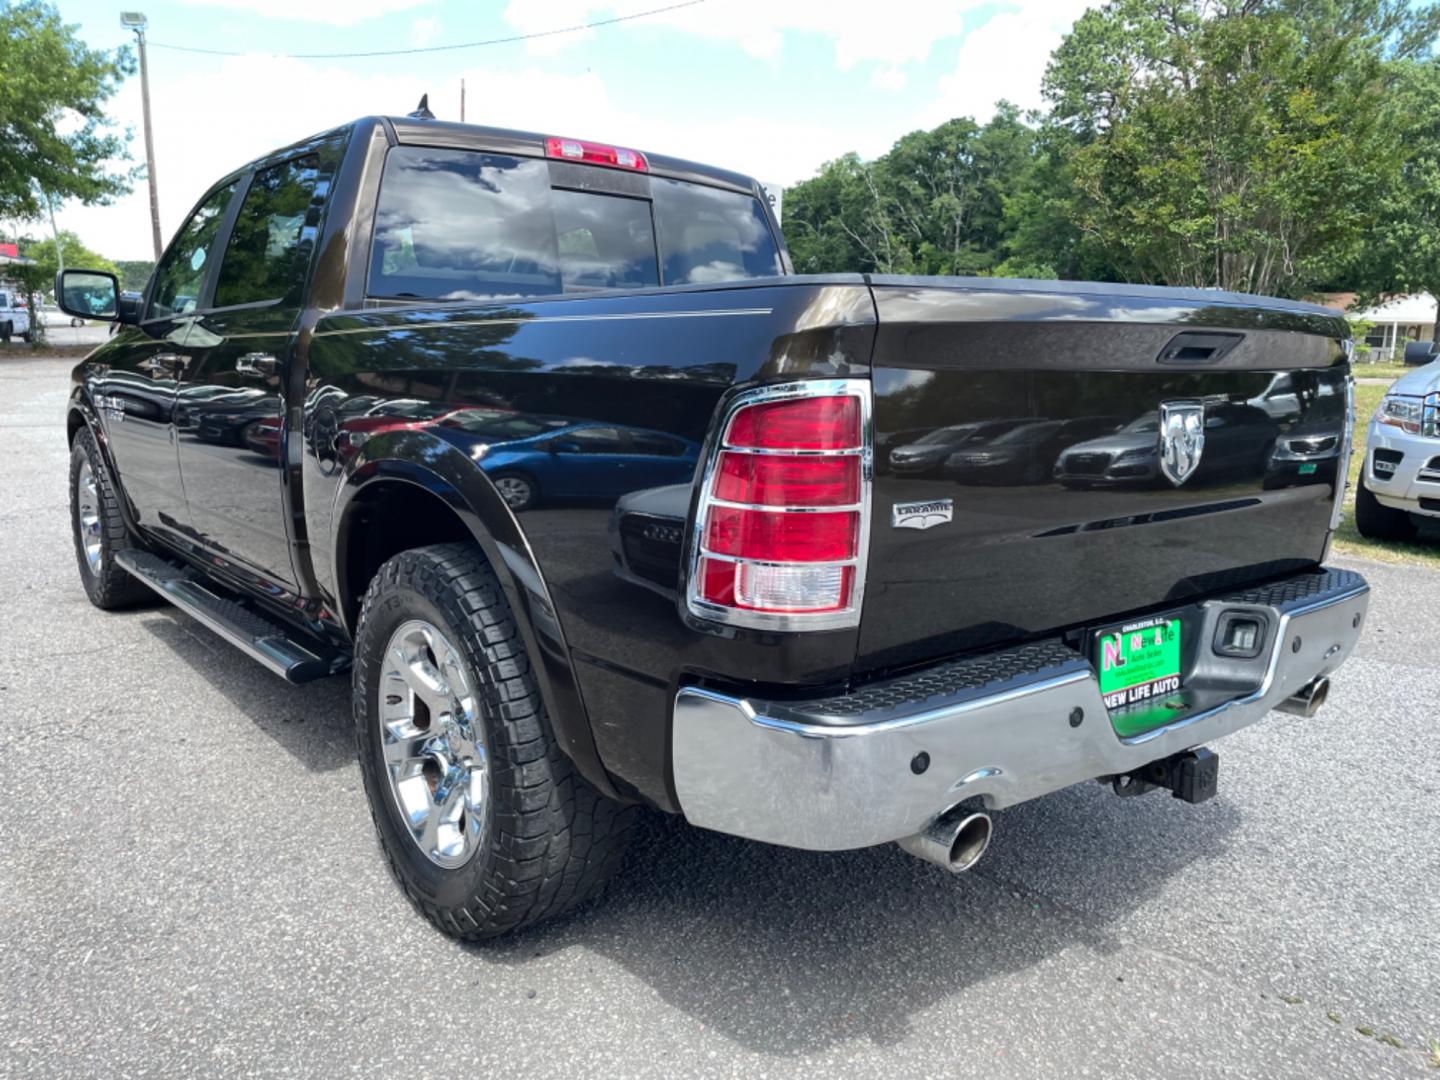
pixel 433 742
pixel 88 511
pixel 515 490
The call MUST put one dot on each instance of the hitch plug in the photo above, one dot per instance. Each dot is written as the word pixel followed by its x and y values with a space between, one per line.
pixel 1193 776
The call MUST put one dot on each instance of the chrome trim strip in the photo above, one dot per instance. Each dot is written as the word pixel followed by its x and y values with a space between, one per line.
pixel 781 452
pixel 340 331
pixel 1347 448
pixel 847 508
pixel 719 557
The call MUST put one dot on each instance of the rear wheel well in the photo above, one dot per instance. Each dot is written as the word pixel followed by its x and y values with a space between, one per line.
pixel 74 421
pixel 385 519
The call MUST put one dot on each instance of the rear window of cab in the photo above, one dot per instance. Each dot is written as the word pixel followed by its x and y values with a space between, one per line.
pixel 464 225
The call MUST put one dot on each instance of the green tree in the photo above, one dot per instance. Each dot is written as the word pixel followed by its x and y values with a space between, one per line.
pixel 934 204
pixel 56 140
pixel 834 222
pixel 1232 143
pixel 1401 252
pixel 77 256
pixel 135 273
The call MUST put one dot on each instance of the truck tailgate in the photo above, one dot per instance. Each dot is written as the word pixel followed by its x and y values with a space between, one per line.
pixel 1036 411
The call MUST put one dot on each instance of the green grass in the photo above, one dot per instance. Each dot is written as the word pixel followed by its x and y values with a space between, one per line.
pixel 1348 541
pixel 1380 371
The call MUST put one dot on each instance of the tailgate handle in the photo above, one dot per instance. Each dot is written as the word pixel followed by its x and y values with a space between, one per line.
pixel 1193 347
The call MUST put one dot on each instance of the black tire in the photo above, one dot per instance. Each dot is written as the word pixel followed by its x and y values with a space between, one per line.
pixel 550 840
pixel 519 491
pixel 1379 522
pixel 106 584
pixel 6 329
pixel 28 336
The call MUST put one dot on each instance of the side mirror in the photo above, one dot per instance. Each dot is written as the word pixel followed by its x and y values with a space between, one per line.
pixel 88 294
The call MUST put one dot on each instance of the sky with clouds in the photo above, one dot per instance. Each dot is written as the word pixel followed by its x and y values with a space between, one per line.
pixel 773 88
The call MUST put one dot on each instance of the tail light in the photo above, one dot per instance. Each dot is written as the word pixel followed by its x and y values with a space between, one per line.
pixel 590 153
pixel 783 519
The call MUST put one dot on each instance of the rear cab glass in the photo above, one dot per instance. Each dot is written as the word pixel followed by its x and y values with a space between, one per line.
pixel 460 225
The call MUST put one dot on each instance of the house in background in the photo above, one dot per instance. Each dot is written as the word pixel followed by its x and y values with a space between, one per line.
pixel 1411 317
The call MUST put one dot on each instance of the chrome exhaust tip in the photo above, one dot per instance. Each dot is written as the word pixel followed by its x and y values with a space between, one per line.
pixel 1308 699
pixel 955 840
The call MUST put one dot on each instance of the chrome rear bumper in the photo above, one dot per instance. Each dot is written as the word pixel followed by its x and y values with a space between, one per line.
pixel 844 772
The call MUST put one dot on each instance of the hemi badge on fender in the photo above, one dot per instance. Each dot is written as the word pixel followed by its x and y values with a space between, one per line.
pixel 922 515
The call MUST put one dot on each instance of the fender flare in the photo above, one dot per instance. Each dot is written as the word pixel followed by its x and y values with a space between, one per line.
pixel 80 405
pixel 438 467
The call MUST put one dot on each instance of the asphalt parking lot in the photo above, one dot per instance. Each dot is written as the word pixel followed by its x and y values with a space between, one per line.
pixel 189 885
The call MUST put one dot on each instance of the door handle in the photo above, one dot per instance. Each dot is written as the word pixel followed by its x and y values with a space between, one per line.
pixel 256 363
pixel 163 364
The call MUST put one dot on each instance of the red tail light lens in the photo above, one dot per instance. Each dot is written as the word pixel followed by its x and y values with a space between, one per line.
pixel 781 537
pixel 784 510
pixel 589 153
pixel 821 423
pixel 776 480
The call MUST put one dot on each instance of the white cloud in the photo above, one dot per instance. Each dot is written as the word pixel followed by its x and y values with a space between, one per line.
pixel 1003 58
pixel 424 31
pixel 333 12
pixel 895 32
pixel 217 116
pixel 201 132
pixel 529 17
pixel 889 78
pixel 203 129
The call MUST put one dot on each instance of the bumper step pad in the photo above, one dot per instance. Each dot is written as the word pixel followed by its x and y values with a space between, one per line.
pixel 296 657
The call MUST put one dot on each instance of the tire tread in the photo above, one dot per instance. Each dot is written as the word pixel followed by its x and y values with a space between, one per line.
pixel 554 839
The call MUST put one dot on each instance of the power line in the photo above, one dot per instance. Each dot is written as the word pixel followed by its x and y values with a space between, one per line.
pixel 434 48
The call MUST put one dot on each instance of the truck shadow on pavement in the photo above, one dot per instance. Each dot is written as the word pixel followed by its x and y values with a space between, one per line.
pixel 311 722
pixel 789 952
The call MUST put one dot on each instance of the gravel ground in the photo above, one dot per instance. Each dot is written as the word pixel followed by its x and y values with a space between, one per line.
pixel 189 885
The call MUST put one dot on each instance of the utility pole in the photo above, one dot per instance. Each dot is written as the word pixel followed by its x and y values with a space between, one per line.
pixel 462 101
pixel 135 20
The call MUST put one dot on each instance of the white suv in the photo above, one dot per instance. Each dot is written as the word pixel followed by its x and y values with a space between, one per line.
pixel 14 317
pixel 1400 479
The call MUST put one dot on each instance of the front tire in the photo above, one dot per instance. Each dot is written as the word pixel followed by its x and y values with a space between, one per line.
pixel 1379 522
pixel 485 823
pixel 99 528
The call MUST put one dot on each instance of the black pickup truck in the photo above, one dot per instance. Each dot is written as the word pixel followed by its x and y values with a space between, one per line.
pixel 603 507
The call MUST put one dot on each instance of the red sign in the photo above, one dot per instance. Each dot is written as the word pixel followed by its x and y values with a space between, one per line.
pixel 10 249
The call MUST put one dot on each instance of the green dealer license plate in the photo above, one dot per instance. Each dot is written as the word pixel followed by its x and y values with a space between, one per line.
pixel 1139 662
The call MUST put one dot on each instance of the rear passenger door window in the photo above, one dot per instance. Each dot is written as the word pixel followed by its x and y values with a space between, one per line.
pixel 181 274
pixel 274 235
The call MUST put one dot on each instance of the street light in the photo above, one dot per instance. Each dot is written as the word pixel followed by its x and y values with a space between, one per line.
pixel 135 20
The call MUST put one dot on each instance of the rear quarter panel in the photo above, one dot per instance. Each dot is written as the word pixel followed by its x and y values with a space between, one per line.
pixel 657 362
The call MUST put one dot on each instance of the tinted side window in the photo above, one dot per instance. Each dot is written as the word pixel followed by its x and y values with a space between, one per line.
pixel 182 272
pixel 274 234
